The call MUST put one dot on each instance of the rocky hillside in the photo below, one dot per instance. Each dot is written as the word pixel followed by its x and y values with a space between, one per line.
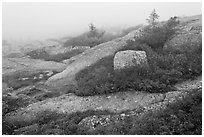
pixel 188 36
pixel 95 54
pixel 115 108
pixel 146 82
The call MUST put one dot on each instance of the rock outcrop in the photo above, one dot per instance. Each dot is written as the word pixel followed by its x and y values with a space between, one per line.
pixel 189 32
pixel 17 64
pixel 35 99
pixel 188 37
pixel 68 104
pixel 130 58
pixel 115 103
pixel 19 72
pixel 88 58
pixel 97 121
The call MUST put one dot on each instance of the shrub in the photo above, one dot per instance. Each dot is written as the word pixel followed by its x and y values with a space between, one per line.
pixel 41 54
pixel 16 82
pixel 10 103
pixel 170 26
pixel 68 124
pixel 193 65
pixel 156 36
pixel 189 60
pixel 62 56
pixel 184 117
pixel 52 122
pixel 128 30
pixel 165 70
pixel 90 39
pixel 103 80
pixel 96 79
pixel 145 80
pixel 38 54
pixel 15 79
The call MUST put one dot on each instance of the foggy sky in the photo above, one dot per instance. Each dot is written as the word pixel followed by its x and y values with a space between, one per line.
pixel 30 21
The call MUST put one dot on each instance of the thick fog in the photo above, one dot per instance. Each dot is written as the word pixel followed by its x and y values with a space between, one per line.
pixel 31 21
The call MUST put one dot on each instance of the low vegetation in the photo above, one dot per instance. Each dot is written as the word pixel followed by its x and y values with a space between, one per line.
pixel 165 71
pixel 10 103
pixel 156 36
pixel 42 54
pixel 181 118
pixel 166 67
pixel 129 29
pixel 25 78
pixel 91 38
pixel 13 102
pixel 50 122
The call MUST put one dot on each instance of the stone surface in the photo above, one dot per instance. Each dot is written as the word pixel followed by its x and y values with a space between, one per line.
pixel 68 104
pixel 130 58
pixel 29 130
pixel 96 121
pixel 12 48
pixel 10 65
pixel 88 58
pixel 116 103
pixel 188 37
pixel 4 86
pixel 53 132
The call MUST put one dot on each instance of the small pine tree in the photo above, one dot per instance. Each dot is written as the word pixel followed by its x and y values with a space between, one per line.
pixel 92 27
pixel 93 31
pixel 153 17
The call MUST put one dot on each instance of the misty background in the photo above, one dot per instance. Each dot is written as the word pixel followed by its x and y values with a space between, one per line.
pixel 38 21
